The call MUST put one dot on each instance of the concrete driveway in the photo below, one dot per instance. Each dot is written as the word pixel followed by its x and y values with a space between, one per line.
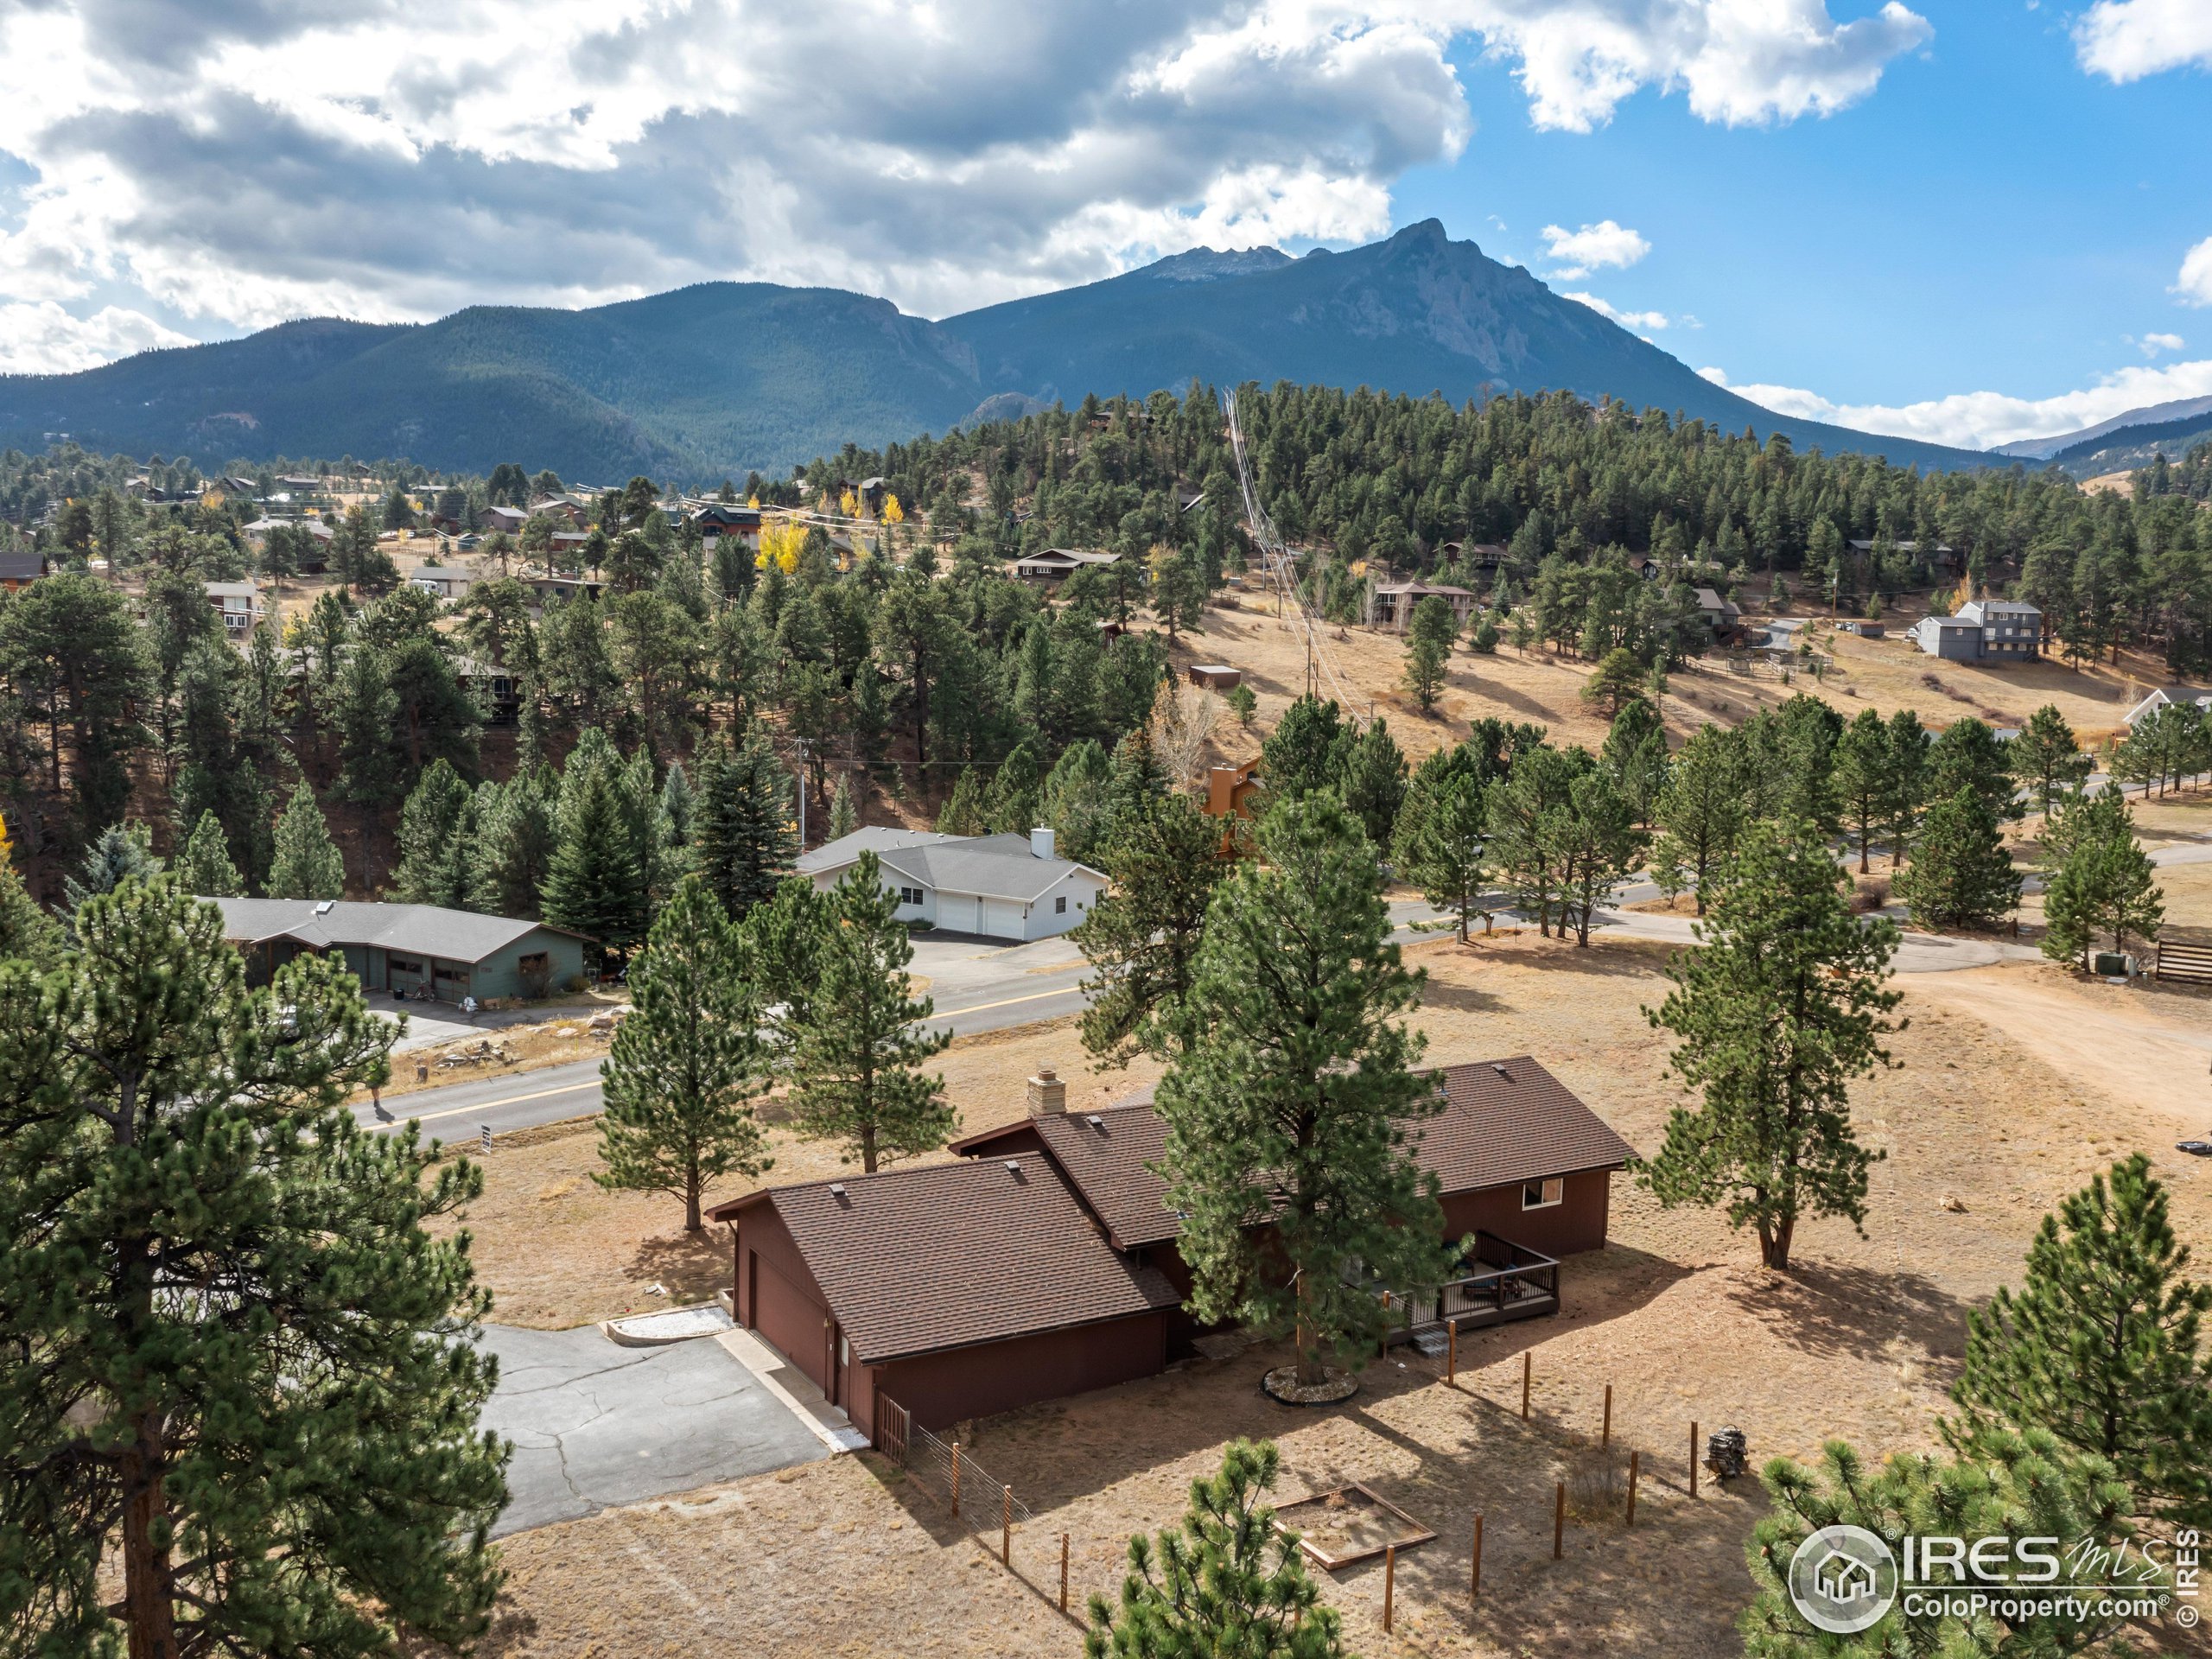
pixel 596 1426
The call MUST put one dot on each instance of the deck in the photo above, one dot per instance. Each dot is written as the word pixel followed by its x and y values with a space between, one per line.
pixel 1511 1282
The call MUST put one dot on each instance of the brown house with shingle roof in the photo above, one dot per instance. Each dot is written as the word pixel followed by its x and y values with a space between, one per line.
pixel 1043 1262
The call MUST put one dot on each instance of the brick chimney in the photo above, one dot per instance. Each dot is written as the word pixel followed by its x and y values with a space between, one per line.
pixel 1046 1093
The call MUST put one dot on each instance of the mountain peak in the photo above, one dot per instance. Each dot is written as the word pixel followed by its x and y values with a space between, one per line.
pixel 1210 266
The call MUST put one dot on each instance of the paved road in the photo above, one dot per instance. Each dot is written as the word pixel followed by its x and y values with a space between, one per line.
pixel 595 1425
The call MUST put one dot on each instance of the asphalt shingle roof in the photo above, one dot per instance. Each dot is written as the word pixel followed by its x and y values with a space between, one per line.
pixel 415 930
pixel 1504 1121
pixel 994 867
pixel 946 1255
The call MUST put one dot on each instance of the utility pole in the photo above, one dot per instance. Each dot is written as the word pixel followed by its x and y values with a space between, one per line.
pixel 800 743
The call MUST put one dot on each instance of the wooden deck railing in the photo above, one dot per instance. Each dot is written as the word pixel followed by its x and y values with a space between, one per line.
pixel 1511 1275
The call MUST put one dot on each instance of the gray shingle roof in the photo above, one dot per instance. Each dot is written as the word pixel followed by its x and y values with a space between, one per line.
pixel 991 867
pixel 417 930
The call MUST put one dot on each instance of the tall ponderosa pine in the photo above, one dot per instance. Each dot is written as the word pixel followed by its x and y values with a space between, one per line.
pixel 2104 884
pixel 857 1043
pixel 1296 1107
pixel 966 810
pixel 1306 751
pixel 1907 790
pixel 1862 778
pixel 1784 1004
pixel 1227 1584
pixel 744 835
pixel 1143 936
pixel 1635 757
pixel 843 818
pixel 2103 1347
pixel 1968 755
pixel 2047 759
pixel 1441 840
pixel 244 1417
pixel 1702 810
pixel 1592 843
pixel 306 864
pixel 682 1074
pixel 1961 875
pixel 204 866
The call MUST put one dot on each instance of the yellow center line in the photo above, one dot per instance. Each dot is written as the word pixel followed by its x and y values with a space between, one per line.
pixel 978 1007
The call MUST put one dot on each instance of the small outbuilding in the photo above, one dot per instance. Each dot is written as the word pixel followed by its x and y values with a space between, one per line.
pixel 1215 676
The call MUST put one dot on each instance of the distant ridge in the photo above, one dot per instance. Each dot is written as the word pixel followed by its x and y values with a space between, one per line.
pixel 724 378
pixel 2048 448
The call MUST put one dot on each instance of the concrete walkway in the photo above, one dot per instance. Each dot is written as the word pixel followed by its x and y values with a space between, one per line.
pixel 596 1426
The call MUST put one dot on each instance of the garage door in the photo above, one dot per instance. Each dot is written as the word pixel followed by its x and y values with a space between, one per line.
pixel 789 1321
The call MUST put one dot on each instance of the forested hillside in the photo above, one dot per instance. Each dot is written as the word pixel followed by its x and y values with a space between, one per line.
pixel 435 744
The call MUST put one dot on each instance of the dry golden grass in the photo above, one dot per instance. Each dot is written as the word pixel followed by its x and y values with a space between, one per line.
pixel 1983 1129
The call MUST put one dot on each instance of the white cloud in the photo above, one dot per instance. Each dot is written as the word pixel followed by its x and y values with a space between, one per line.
pixel 1594 247
pixel 2194 285
pixel 2127 40
pixel 1626 319
pixel 39 337
pixel 1741 62
pixel 2152 344
pixel 1983 420
pixel 241 162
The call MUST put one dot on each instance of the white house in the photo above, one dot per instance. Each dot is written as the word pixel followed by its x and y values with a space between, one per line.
pixel 2187 696
pixel 446 580
pixel 1005 886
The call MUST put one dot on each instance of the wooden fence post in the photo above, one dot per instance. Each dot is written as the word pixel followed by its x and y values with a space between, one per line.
pixel 1389 1583
pixel 1452 1352
pixel 1605 1436
pixel 1558 1519
pixel 1693 1460
pixel 1631 1488
pixel 1475 1579
pixel 1382 1348
pixel 1064 1572
pixel 1527 1369
pixel 956 1479
pixel 1006 1526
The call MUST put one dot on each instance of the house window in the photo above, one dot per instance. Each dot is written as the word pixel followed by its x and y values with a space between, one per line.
pixel 1060 906
pixel 910 895
pixel 1542 1195
pixel 401 965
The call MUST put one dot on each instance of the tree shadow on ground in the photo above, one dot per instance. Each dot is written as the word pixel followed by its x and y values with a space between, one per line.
pixel 693 1266
pixel 1828 1307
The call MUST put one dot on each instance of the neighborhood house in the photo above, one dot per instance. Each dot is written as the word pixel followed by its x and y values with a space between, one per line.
pixel 1043 1262
pixel 423 950
pixel 1982 631
pixel 1005 886
pixel 238 603
pixel 1390 604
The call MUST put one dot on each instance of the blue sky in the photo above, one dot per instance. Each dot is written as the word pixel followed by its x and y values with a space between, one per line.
pixel 1970 221
pixel 1993 217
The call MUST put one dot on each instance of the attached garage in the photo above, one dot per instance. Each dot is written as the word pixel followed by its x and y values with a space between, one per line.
pixel 957 1289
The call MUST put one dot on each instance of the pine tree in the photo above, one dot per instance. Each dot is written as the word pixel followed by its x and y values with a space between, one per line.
pixel 1702 811
pixel 1635 757
pixel 1519 810
pixel 27 932
pixel 1298 1102
pixel 1968 754
pixel 2105 882
pixel 2047 758
pixel 1593 844
pixel 2020 1487
pixel 2102 1347
pixel 966 811
pixel 306 864
pixel 251 1425
pixel 786 935
pixel 1429 650
pixel 1862 778
pixel 1227 1582
pixel 1143 936
pixel 435 836
pixel 515 838
pixel 1439 846
pixel 593 884
pixel 1780 1010
pixel 204 867
pixel 1305 750
pixel 858 1043
pixel 685 1067
pixel 1907 792
pixel 1077 806
pixel 121 851
pixel 1617 682
pixel 843 820
pixel 367 717
pixel 1015 801
pixel 1961 874
pixel 744 837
